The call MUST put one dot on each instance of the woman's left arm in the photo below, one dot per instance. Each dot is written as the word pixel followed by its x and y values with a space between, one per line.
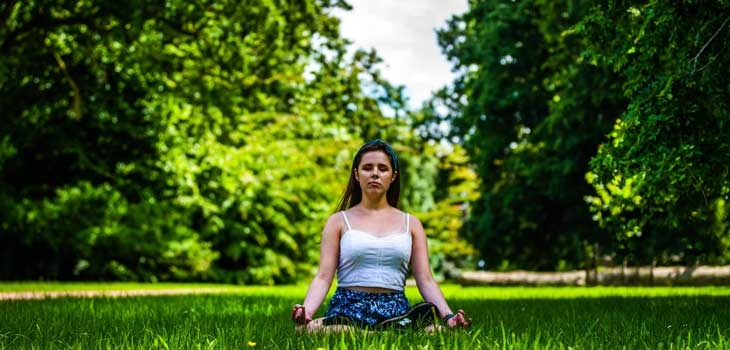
pixel 427 286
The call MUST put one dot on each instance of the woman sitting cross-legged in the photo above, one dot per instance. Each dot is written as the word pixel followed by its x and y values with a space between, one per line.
pixel 370 245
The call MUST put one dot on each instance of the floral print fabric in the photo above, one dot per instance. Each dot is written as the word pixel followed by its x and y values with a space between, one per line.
pixel 365 309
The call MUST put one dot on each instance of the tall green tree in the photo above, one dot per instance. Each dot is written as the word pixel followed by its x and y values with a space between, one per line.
pixel 531 112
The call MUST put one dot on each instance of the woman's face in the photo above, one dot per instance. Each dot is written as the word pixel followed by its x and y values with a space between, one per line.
pixel 374 173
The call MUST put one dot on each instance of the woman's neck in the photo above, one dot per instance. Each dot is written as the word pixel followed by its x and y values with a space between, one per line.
pixel 368 205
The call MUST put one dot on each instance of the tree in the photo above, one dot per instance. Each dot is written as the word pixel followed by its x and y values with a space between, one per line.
pixel 174 140
pixel 530 112
pixel 662 176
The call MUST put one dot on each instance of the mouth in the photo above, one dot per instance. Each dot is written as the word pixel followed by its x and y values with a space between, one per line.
pixel 374 184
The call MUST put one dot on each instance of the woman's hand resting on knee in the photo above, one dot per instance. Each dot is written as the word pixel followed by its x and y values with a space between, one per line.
pixel 457 320
pixel 300 315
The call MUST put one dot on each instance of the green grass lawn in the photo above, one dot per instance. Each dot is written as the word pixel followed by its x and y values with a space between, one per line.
pixel 236 317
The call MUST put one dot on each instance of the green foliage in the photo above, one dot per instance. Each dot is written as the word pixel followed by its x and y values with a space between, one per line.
pixel 263 204
pixel 96 233
pixel 177 140
pixel 184 140
pixel 456 190
pixel 663 174
pixel 621 94
pixel 210 140
pixel 530 112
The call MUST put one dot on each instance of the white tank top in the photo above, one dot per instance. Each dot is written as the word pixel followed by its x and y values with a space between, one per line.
pixel 367 260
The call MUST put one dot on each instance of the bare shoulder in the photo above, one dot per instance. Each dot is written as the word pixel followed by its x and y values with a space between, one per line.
pixel 415 224
pixel 335 224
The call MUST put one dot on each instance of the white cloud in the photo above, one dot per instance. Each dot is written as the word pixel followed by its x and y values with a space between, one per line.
pixel 403 34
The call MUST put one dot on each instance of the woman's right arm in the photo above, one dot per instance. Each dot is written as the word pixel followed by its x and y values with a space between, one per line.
pixel 328 260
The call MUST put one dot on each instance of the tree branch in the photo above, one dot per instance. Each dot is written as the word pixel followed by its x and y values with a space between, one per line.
pixel 696 58
pixel 77 93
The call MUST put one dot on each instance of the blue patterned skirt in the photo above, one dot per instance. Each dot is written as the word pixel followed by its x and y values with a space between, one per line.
pixel 364 309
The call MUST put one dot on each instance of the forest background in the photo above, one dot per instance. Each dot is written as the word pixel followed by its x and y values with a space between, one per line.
pixel 209 140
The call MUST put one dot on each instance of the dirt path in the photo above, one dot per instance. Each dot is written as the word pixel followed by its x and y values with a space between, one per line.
pixel 103 294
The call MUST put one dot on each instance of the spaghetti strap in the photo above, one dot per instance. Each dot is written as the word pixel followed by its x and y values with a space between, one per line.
pixel 347 222
pixel 408 224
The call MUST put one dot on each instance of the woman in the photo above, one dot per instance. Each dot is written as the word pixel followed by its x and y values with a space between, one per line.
pixel 370 244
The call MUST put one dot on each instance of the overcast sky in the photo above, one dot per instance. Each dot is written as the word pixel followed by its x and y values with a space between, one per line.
pixel 403 34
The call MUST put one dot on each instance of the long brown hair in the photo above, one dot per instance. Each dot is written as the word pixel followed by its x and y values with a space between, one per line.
pixel 353 192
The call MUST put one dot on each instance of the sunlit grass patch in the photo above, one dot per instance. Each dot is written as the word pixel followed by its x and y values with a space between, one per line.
pixel 240 317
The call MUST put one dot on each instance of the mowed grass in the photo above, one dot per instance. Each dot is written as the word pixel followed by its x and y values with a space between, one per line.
pixel 249 317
